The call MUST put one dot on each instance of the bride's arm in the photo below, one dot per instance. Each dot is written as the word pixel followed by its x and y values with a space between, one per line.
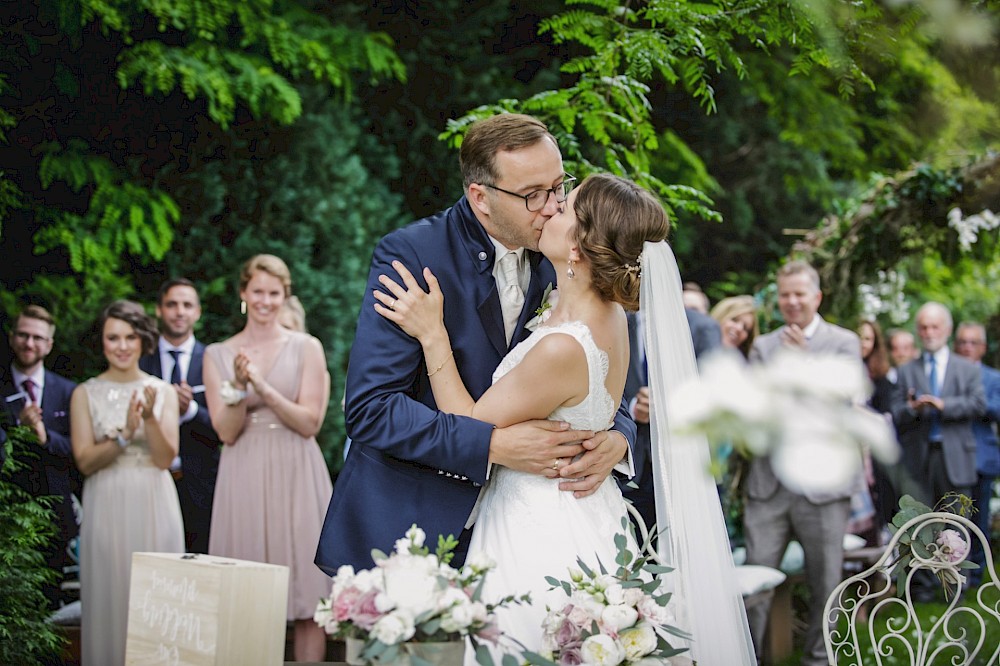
pixel 553 373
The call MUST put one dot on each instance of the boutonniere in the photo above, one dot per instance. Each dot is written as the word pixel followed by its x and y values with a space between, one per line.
pixel 542 313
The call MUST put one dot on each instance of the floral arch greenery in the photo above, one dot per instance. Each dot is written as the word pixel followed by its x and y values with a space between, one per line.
pixel 945 213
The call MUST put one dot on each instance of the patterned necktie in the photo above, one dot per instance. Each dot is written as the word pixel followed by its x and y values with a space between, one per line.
pixel 511 296
pixel 175 374
pixel 29 388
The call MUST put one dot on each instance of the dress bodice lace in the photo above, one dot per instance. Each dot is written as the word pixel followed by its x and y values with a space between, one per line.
pixel 109 402
pixel 596 411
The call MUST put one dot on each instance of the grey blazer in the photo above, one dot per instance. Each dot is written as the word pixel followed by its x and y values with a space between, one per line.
pixel 761 483
pixel 964 400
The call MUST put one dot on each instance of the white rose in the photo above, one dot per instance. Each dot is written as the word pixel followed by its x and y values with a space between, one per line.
pixel 615 594
pixel 654 612
pixel 410 585
pixel 618 617
pixel 459 617
pixel 633 596
pixel 394 628
pixel 638 641
pixel 324 617
pixel 602 650
pixel 416 535
pixel 366 579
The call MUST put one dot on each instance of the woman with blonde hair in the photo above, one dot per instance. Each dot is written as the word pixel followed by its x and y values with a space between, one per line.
pixel 267 392
pixel 737 317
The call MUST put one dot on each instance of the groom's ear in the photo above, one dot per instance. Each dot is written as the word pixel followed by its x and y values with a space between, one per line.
pixel 478 199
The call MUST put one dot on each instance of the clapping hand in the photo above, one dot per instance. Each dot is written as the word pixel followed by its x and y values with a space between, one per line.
pixel 244 370
pixel 792 335
pixel 184 397
pixel 31 416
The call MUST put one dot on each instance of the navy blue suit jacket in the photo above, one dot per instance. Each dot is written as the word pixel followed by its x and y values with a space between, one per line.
pixel 199 452
pixel 49 473
pixel 409 463
pixel 984 428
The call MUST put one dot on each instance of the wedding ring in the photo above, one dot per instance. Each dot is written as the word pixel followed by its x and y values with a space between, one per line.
pixel 555 465
pixel 392 306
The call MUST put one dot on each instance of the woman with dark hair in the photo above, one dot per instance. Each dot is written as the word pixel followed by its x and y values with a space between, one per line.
pixel 875 355
pixel 124 435
pixel 607 244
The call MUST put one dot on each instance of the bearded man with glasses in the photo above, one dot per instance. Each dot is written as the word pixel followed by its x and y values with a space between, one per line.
pixel 408 462
pixel 39 398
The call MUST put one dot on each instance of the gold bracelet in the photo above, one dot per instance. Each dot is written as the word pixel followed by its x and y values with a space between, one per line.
pixel 445 362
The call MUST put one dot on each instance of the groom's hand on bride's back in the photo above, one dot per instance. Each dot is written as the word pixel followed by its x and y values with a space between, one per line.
pixel 537 447
pixel 601 453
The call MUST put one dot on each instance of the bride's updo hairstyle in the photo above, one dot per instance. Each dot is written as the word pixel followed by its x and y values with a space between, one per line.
pixel 614 217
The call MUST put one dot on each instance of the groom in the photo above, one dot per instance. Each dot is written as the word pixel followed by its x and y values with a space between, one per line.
pixel 408 462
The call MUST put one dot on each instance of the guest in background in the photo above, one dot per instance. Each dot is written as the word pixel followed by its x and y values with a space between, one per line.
pixel 694 298
pixel 902 350
pixel 970 343
pixel 939 397
pixel 737 318
pixel 125 435
pixel 880 483
pixel 775 514
pixel 39 399
pixel 178 359
pixel 293 315
pixel 267 393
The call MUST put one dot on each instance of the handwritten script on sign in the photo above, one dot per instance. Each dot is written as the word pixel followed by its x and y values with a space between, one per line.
pixel 170 609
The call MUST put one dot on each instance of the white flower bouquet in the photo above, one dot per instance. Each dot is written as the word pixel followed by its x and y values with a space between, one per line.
pixel 803 410
pixel 410 596
pixel 610 619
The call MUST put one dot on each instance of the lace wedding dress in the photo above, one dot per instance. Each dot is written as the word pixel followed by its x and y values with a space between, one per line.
pixel 530 528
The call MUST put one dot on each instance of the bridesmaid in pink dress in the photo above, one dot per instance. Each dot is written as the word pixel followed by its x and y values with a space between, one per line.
pixel 273 485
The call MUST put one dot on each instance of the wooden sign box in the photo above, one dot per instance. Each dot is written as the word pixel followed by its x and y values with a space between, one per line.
pixel 205 611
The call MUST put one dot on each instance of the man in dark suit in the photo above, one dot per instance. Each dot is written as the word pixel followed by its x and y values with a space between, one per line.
pixel 178 360
pixel 773 514
pixel 940 395
pixel 39 398
pixel 705 336
pixel 408 462
pixel 970 343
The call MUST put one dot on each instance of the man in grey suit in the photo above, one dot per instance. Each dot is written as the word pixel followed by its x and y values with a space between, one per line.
pixel 940 395
pixel 773 514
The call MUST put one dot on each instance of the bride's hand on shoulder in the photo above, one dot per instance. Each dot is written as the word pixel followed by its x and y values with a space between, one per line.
pixel 420 314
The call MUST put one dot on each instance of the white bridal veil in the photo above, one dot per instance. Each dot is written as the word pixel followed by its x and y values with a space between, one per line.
pixel 693 537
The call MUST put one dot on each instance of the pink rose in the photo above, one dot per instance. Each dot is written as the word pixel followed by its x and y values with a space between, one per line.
pixel 571 655
pixel 567 633
pixel 344 603
pixel 365 613
pixel 953 546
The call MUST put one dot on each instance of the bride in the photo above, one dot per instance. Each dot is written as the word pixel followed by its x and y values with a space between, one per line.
pixel 606 241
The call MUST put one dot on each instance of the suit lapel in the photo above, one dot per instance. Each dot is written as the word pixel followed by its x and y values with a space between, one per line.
pixel 194 368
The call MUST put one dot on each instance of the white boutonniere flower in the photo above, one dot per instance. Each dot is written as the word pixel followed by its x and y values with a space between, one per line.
pixel 542 313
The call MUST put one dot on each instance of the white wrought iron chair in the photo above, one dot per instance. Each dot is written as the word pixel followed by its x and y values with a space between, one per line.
pixel 867 603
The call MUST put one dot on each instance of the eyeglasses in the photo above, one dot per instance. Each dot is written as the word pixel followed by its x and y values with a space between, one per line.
pixel 23 336
pixel 974 343
pixel 535 201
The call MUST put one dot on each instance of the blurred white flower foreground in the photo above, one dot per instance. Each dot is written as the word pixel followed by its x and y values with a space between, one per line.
pixel 803 410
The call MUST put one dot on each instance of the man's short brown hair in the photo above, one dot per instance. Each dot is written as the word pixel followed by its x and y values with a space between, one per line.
pixel 35 312
pixel 485 138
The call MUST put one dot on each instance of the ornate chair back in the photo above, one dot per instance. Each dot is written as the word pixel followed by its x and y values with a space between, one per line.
pixel 877 604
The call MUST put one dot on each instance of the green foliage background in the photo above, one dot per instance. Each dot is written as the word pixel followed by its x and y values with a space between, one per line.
pixel 149 139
